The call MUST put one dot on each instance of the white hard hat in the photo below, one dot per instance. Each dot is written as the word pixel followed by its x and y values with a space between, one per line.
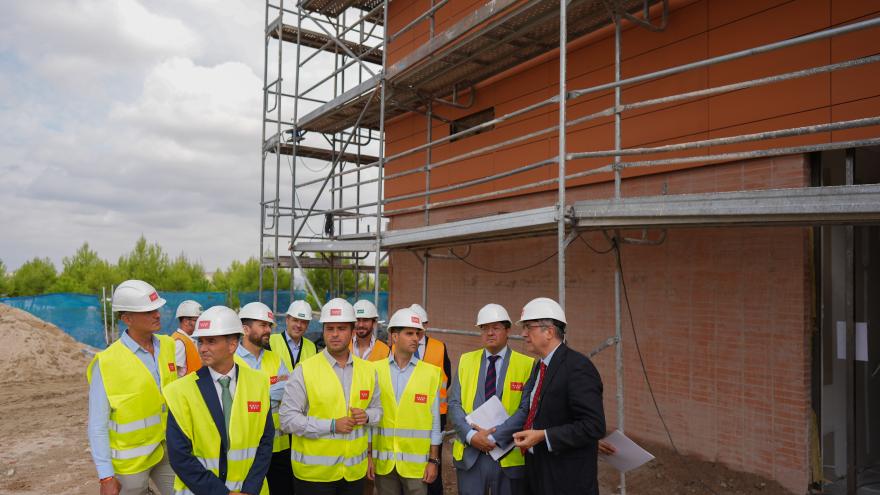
pixel 420 311
pixel 217 320
pixel 492 313
pixel 365 309
pixel 541 308
pixel 300 309
pixel 136 296
pixel 338 311
pixel 256 311
pixel 405 318
pixel 188 309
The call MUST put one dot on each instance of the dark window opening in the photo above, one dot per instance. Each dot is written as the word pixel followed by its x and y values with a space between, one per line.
pixel 471 121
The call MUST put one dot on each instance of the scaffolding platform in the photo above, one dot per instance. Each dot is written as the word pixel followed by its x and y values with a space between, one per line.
pixel 494 38
pixel 324 154
pixel 333 8
pixel 321 41
pixel 312 263
pixel 770 207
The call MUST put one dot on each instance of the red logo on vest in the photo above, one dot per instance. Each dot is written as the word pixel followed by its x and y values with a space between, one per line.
pixel 335 311
pixel 365 394
pixel 171 367
pixel 415 319
pixel 516 386
pixel 254 406
pixel 273 380
pixel 204 324
pixel 421 398
pixel 154 296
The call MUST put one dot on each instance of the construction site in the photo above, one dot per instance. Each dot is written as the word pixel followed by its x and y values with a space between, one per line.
pixel 696 182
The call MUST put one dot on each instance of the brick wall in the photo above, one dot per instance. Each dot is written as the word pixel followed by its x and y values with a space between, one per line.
pixel 722 315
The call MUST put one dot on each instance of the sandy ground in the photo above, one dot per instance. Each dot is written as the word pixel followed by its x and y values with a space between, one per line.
pixel 44 408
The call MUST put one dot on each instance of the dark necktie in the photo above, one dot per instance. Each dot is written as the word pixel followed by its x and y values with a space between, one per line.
pixel 491 378
pixel 530 420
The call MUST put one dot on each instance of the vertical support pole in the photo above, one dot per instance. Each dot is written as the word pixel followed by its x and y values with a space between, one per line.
pixel 618 330
pixel 381 169
pixel 849 285
pixel 293 155
pixel 262 152
pixel 429 136
pixel 104 312
pixel 560 205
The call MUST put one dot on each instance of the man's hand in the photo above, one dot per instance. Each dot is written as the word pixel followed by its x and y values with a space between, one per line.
pixel 528 438
pixel 480 440
pixel 345 424
pixel 359 415
pixel 606 448
pixel 110 486
pixel 371 468
pixel 430 473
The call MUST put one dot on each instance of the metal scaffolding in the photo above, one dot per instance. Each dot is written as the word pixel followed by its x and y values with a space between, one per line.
pixel 341 109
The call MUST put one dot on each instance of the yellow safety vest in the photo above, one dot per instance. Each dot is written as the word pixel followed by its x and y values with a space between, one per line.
pixel 137 408
pixel 403 436
pixel 250 405
pixel 270 365
pixel 518 370
pixel 333 456
pixel 278 343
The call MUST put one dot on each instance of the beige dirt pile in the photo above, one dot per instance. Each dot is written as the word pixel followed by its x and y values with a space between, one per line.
pixel 31 346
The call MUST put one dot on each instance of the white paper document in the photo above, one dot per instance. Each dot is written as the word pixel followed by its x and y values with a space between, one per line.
pixel 490 415
pixel 628 456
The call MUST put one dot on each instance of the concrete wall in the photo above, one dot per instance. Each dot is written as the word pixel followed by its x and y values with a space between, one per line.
pixel 722 315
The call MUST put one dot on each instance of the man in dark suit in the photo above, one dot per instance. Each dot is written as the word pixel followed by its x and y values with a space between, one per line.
pixel 565 418
pixel 220 429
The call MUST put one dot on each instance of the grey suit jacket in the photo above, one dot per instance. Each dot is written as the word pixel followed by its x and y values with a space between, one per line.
pixel 503 433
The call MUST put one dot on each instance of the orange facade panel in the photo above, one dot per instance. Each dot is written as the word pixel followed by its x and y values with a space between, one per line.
pixel 696 30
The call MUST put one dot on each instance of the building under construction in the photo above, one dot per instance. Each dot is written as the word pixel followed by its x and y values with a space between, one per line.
pixel 696 181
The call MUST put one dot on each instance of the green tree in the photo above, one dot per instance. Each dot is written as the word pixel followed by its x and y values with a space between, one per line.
pixel 34 277
pixel 147 262
pixel 184 275
pixel 5 281
pixel 245 277
pixel 85 273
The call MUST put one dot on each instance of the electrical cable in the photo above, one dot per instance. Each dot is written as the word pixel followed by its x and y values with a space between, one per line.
pixel 606 251
pixel 632 324
pixel 492 270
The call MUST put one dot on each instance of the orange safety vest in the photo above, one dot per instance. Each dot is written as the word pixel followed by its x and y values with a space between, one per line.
pixel 193 360
pixel 434 352
pixel 380 351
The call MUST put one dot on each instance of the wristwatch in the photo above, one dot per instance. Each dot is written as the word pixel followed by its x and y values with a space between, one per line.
pixel 434 460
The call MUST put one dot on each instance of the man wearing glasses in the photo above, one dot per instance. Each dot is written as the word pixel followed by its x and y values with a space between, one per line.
pixel 565 419
pixel 186 355
pixel 495 370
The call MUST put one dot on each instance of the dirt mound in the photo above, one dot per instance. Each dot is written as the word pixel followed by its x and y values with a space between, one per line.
pixel 32 347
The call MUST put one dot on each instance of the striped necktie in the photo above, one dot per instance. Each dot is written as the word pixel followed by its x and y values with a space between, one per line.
pixel 491 377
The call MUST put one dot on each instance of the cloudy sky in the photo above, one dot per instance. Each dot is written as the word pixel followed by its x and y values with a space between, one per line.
pixel 127 117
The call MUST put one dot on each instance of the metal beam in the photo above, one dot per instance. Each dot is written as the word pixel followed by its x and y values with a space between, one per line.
pixel 796 206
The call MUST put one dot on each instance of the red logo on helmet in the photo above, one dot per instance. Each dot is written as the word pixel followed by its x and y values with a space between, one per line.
pixel 421 398
pixel 271 316
pixel 254 406
pixel 335 311
pixel 154 296
pixel 365 394
pixel 204 324
pixel 171 367
pixel 415 319
pixel 516 386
